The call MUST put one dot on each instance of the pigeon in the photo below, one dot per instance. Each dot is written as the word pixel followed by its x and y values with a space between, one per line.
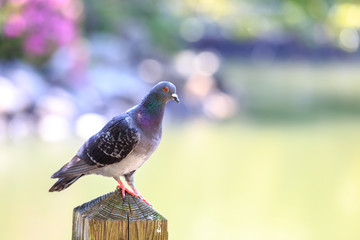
pixel 122 145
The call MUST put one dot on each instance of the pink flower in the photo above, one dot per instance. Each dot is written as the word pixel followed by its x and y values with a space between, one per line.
pixel 14 26
pixel 18 2
pixel 35 16
pixel 35 44
pixel 65 32
pixel 43 24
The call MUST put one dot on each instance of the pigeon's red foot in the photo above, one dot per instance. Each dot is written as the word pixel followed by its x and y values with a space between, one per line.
pixel 136 192
pixel 122 186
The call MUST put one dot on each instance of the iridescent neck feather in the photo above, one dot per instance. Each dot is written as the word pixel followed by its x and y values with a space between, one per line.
pixel 151 111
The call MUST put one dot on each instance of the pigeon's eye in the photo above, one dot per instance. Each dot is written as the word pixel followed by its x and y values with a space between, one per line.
pixel 166 89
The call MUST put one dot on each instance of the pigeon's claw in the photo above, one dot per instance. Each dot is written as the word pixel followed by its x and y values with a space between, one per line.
pixel 124 188
pixel 144 200
pixel 136 192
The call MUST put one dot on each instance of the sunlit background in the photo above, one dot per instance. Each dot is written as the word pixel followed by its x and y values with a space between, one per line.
pixel 265 144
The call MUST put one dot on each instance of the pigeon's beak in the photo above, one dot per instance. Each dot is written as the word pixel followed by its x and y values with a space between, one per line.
pixel 175 97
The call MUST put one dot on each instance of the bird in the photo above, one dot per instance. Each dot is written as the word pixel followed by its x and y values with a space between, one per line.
pixel 122 145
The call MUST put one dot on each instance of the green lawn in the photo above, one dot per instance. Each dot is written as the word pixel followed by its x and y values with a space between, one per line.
pixel 235 181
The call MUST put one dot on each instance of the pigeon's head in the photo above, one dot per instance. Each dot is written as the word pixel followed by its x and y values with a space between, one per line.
pixel 166 91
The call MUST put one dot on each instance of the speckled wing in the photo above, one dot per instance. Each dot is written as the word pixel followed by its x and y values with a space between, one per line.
pixel 112 144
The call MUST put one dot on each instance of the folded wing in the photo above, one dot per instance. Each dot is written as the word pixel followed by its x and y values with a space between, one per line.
pixel 112 144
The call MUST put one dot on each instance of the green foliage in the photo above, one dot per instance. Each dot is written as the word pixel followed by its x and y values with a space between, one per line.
pixel 10 49
pixel 157 25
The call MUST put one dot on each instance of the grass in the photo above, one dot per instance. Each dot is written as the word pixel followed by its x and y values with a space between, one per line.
pixel 236 181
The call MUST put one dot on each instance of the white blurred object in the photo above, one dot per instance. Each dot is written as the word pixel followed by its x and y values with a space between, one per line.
pixel 184 62
pixel 220 106
pixel 192 29
pixel 58 102
pixel 349 39
pixel 188 63
pixel 13 99
pixel 150 70
pixel 20 127
pixel 89 124
pixel 207 63
pixel 28 79
pixel 53 128
pixel 198 87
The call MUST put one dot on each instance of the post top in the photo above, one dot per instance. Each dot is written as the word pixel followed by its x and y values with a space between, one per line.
pixel 113 206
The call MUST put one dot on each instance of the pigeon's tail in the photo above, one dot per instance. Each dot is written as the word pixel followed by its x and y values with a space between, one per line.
pixel 64 182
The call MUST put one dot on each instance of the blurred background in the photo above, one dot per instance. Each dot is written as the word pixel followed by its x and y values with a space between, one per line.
pixel 264 145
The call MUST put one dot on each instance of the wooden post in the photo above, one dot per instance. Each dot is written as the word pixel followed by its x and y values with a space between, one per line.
pixel 112 217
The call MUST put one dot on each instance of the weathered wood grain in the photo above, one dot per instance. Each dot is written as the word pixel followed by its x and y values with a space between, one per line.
pixel 113 217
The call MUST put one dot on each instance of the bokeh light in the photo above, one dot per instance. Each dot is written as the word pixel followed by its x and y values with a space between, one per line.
pixel 151 71
pixel 349 40
pixel 89 123
pixel 192 30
